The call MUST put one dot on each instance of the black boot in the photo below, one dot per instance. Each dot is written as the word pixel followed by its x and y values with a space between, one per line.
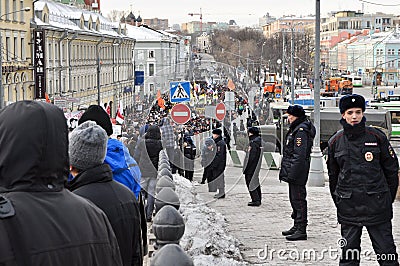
pixel 290 231
pixel 300 234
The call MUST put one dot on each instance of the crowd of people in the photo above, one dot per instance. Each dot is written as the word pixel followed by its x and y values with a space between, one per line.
pixel 88 196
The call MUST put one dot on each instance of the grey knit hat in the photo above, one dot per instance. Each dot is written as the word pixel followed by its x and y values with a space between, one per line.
pixel 87 145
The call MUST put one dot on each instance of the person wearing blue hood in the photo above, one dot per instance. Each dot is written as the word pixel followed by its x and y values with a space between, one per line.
pixel 295 167
pixel 124 168
pixel 363 181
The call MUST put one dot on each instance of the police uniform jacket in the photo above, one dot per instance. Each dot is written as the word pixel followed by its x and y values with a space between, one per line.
pixel 252 161
pixel 362 168
pixel 296 152
pixel 219 163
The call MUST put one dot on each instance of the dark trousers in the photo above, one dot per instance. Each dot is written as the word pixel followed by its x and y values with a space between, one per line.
pixel 171 155
pixel 382 241
pixel 253 185
pixel 297 197
pixel 189 175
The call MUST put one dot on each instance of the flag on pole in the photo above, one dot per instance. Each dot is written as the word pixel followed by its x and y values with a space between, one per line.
pixel 47 98
pixel 108 109
pixel 231 85
pixel 120 114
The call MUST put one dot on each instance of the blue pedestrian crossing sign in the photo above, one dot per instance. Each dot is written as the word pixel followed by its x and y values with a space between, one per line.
pixel 179 91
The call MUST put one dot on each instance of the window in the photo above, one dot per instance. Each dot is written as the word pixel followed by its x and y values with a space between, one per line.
pixel 8 44
pixel 56 51
pixel 379 51
pixel 7 11
pixel 23 53
pixel 49 52
pixel 391 64
pixel 15 10
pixel 151 54
pixel 390 51
pixel 21 14
pixel 151 70
pixel 15 54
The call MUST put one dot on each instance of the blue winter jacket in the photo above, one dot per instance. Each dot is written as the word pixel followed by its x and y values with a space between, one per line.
pixel 125 169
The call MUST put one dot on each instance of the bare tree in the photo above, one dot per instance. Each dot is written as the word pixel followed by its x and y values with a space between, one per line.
pixel 116 15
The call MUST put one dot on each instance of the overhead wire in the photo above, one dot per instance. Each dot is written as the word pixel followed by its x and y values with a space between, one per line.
pixel 378 4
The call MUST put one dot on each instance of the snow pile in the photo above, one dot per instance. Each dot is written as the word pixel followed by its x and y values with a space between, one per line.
pixel 205 238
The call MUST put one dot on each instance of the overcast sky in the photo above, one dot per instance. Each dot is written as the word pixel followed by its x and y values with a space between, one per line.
pixel 242 11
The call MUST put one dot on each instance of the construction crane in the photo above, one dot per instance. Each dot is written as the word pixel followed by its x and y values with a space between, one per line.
pixel 201 18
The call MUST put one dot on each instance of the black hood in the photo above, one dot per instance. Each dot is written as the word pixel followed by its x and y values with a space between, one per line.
pixel 34 147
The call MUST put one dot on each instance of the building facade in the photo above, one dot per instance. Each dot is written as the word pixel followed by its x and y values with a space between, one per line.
pixel 86 57
pixel 15 36
pixel 159 57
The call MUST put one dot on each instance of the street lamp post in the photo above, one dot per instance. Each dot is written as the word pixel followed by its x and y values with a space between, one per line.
pixel 2 101
pixel 292 65
pixel 316 175
pixel 283 60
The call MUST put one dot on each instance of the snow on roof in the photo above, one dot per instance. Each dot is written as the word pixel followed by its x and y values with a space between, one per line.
pixel 61 16
pixel 143 33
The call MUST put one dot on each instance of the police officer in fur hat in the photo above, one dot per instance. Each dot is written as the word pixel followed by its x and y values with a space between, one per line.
pixel 363 181
pixel 294 168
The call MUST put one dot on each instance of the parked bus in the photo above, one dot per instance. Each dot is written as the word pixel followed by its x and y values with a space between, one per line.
pixel 394 110
pixel 356 80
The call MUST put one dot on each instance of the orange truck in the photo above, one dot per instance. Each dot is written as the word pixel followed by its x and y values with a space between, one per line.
pixel 336 86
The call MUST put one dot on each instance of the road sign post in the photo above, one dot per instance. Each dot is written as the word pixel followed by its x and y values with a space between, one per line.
pixel 179 91
pixel 180 113
pixel 220 111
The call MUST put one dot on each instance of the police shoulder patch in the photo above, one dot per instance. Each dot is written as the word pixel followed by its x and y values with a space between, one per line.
pixel 298 142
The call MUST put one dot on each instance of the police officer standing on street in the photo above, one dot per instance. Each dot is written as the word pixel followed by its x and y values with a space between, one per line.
pixel 294 168
pixel 219 163
pixel 363 181
pixel 252 165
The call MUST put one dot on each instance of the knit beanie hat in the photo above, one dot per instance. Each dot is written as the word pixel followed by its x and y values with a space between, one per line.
pixel 351 101
pixel 97 114
pixel 87 146
pixel 296 110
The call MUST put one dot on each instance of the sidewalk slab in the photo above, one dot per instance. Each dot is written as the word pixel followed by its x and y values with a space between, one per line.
pixel 259 228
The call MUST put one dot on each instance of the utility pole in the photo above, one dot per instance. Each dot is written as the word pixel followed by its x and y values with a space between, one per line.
pixel 283 60
pixel 1 72
pixel 292 64
pixel 316 174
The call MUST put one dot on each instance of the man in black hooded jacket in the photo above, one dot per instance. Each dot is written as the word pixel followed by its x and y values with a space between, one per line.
pixel 41 223
pixel 294 168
